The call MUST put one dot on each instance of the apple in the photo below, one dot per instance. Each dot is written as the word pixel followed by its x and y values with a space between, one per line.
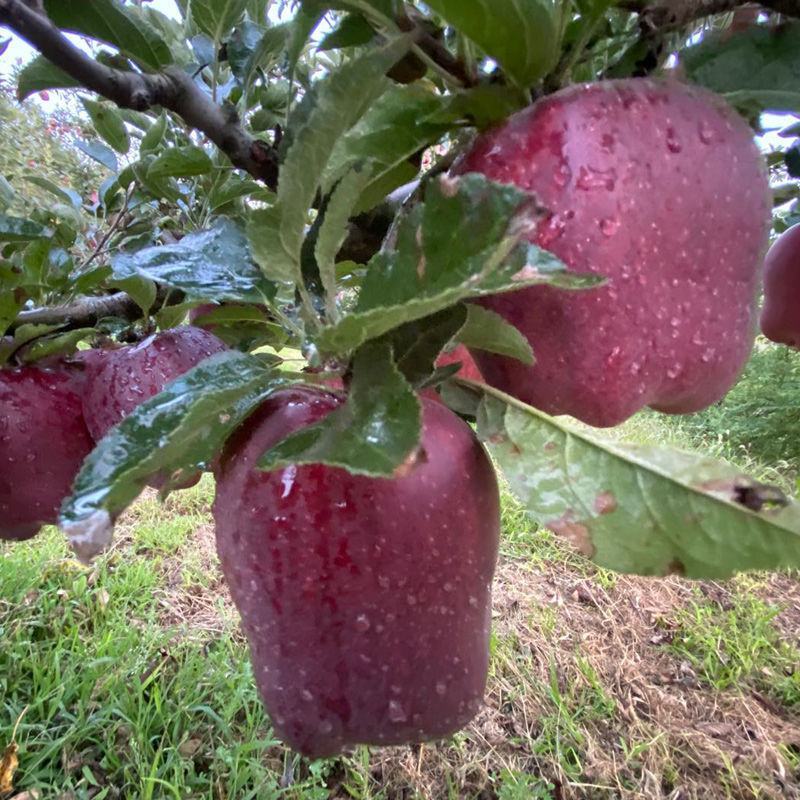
pixel 118 380
pixel 366 601
pixel 780 317
pixel 659 188
pixel 469 369
pixel 43 441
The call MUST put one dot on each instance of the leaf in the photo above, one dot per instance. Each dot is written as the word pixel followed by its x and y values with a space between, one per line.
pixel 15 229
pixel 61 344
pixel 341 99
pixel 108 124
pixel 638 509
pixel 394 127
pixel 352 31
pixel 99 152
pixel 252 48
pixel 234 187
pixel 203 49
pixel 757 68
pixel 141 290
pixel 8 766
pixel 217 17
pixel 109 21
pixel 68 196
pixel 180 162
pixel 487 330
pixel 374 433
pixel 40 74
pixel 480 106
pixel 154 135
pixel 417 345
pixel 263 233
pixel 182 427
pixel 333 230
pixel 212 264
pixel 463 242
pixel 7 193
pixel 521 35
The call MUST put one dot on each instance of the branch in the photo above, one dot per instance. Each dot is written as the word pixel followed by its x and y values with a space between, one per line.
pixel 673 14
pixel 86 312
pixel 172 89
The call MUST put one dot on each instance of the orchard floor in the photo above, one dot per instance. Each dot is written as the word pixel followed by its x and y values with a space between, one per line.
pixel 130 680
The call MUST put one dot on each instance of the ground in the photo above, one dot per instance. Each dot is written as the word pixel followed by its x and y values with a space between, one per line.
pixel 130 679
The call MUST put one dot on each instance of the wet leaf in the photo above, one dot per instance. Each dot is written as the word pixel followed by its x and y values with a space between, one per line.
pixel 465 240
pixel 183 427
pixel 639 509
pixel 38 75
pixel 487 330
pixel 374 433
pixel 180 162
pixel 15 229
pixel 216 17
pixel 214 264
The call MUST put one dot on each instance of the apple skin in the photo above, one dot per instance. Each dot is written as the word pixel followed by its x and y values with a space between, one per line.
pixel 43 441
pixel 658 187
pixel 780 317
pixel 469 369
pixel 366 601
pixel 117 381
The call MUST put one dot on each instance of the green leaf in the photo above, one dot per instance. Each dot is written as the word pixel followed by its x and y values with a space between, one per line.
pixel 60 344
pixel 234 187
pixel 757 68
pixel 639 509
pixel 40 74
pixel 180 162
pixel 141 290
pixel 480 106
pixel 109 21
pixel 333 230
pixel 182 427
pixel 213 264
pixel 395 127
pixel 15 229
pixel 487 330
pixel 217 17
pixel 68 196
pixel 263 233
pixel 521 35
pixel 464 241
pixel 155 133
pixel 99 152
pixel 341 99
pixel 417 345
pixel 108 124
pixel 352 31
pixel 374 433
pixel 251 48
pixel 7 193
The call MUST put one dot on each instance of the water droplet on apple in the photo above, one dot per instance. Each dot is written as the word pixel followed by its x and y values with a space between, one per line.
pixel 673 143
pixel 441 688
pixel 396 712
pixel 362 623
pixel 706 132
pixel 609 226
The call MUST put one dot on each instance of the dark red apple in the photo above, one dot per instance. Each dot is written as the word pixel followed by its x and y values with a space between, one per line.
pixel 119 380
pixel 469 369
pixel 43 441
pixel 658 187
pixel 780 317
pixel 366 601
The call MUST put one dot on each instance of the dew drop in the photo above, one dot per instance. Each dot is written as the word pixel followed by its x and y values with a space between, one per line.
pixel 706 133
pixel 396 712
pixel 441 688
pixel 362 623
pixel 609 226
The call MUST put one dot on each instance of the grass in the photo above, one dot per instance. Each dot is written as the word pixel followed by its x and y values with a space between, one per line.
pixel 130 679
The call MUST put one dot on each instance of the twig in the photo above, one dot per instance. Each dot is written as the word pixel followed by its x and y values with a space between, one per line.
pixel 172 89
pixel 665 15
pixel 111 229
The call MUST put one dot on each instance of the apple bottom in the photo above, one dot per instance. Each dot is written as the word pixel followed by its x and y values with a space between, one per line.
pixel 366 601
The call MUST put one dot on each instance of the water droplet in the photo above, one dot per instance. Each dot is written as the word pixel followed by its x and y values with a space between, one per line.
pixel 448 587
pixel 287 479
pixel 708 354
pixel 325 727
pixel 609 226
pixel 396 712
pixel 411 600
pixel 383 582
pixel 362 623
pixel 706 133
pixel 590 178
pixel 562 175
pixel 441 688
pixel 674 371
pixel 550 230
pixel 673 143
pixel 306 695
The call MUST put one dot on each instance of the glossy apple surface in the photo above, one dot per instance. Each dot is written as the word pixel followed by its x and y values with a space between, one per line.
pixel 366 601
pixel 780 317
pixel 659 188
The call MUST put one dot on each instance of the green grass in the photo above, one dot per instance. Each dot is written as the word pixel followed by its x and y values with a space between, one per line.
pixel 112 694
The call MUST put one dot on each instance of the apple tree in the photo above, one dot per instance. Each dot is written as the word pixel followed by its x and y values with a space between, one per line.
pixel 356 256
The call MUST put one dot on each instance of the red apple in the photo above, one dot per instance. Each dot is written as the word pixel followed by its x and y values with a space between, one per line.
pixel 119 380
pixel 469 369
pixel 366 601
pixel 43 441
pixel 659 188
pixel 780 317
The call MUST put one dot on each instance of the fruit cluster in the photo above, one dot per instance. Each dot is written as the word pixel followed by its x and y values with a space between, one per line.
pixel 366 601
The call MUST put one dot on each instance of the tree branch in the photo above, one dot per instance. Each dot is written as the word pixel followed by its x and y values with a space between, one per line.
pixel 172 89
pixel 86 312
pixel 664 15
